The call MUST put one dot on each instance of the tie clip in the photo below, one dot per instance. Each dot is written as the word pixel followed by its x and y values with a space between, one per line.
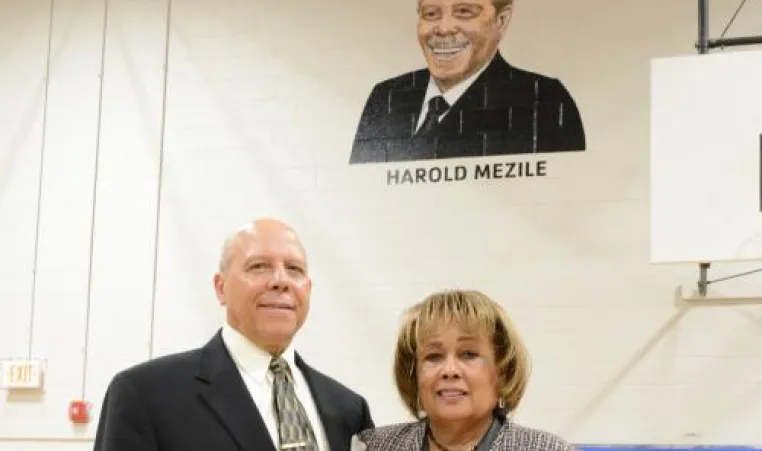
pixel 293 445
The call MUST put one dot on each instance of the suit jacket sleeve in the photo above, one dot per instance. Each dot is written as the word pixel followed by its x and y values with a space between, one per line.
pixel 366 148
pixel 574 135
pixel 124 423
pixel 367 419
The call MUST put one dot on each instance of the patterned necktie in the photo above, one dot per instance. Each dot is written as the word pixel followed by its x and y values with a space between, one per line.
pixel 294 428
pixel 437 106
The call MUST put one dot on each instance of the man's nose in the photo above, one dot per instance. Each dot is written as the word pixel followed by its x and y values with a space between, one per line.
pixel 446 25
pixel 279 278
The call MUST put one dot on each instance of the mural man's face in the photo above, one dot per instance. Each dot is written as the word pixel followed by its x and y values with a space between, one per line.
pixel 458 37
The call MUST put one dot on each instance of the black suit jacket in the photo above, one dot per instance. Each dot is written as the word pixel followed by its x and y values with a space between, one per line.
pixel 197 401
pixel 505 111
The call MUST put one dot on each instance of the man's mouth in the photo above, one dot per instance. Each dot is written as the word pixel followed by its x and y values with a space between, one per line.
pixel 448 52
pixel 285 307
pixel 451 393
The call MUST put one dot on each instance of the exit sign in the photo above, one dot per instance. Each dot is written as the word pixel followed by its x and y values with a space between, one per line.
pixel 25 374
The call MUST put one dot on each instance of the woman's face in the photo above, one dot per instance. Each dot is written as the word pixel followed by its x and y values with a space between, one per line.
pixel 457 375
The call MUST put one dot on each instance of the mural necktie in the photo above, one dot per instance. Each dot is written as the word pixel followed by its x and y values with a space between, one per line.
pixel 294 428
pixel 437 106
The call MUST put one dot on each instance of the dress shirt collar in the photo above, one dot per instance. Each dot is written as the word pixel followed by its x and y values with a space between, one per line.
pixel 453 94
pixel 249 358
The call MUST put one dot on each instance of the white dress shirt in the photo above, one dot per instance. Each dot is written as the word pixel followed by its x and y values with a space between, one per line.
pixel 451 96
pixel 254 363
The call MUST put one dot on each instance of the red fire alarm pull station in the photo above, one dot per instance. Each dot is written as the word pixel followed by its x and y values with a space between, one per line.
pixel 79 411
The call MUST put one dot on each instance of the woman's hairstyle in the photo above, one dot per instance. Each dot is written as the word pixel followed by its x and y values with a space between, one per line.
pixel 475 312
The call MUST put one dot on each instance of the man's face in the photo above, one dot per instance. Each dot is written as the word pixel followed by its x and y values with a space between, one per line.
pixel 458 37
pixel 264 286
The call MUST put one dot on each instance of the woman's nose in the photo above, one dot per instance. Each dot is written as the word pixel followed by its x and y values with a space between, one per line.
pixel 451 368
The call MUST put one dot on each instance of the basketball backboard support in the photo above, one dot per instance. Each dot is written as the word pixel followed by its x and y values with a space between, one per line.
pixel 705 113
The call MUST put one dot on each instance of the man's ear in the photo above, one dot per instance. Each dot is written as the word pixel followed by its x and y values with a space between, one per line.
pixel 503 17
pixel 219 287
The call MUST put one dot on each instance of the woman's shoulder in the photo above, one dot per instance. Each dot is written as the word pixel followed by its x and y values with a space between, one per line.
pixel 396 433
pixel 529 438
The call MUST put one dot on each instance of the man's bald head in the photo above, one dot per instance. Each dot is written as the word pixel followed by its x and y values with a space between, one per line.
pixel 262 226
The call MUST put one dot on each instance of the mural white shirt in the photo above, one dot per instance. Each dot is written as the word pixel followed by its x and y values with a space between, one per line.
pixel 451 96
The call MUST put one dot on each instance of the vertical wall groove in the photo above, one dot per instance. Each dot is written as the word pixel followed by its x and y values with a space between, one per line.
pixel 160 178
pixel 33 295
pixel 95 196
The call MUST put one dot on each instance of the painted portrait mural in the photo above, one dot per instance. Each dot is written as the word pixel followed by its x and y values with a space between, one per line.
pixel 469 100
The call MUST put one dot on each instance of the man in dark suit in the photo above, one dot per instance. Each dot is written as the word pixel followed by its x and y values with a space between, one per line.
pixel 246 389
pixel 470 101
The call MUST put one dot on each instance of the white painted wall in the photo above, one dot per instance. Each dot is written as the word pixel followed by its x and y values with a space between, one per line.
pixel 261 105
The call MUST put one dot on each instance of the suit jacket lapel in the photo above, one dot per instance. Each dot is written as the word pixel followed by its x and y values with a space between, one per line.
pixel 415 440
pixel 409 99
pixel 225 393
pixel 328 416
pixel 503 438
pixel 418 96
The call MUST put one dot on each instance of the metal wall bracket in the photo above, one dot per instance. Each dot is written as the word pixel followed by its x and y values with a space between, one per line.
pixel 704 43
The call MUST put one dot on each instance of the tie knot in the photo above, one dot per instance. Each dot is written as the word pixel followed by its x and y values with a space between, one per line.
pixel 278 365
pixel 438 105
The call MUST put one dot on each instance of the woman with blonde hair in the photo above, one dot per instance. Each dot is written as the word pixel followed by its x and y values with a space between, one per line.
pixel 461 369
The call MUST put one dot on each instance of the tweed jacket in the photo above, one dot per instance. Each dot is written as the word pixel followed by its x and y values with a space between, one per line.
pixel 511 437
